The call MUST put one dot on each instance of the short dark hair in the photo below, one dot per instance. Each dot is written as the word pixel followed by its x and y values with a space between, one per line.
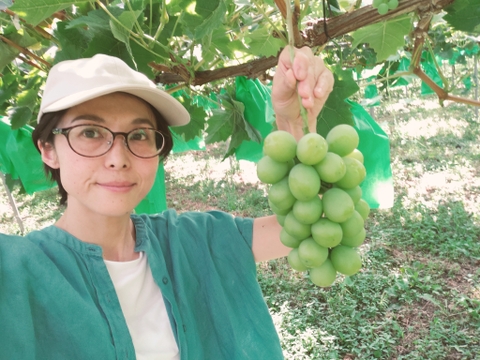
pixel 49 121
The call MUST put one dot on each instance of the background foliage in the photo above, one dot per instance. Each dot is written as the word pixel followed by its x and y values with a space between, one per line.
pixel 195 50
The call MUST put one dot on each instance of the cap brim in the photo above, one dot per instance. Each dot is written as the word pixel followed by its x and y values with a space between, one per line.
pixel 170 108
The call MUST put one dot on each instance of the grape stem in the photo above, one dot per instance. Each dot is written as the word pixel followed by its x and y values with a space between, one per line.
pixel 303 111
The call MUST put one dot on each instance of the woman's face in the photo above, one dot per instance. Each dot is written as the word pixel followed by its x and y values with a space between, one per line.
pixel 114 183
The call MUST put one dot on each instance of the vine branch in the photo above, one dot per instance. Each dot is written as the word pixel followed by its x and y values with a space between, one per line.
pixel 420 35
pixel 24 51
pixel 312 36
pixel 38 29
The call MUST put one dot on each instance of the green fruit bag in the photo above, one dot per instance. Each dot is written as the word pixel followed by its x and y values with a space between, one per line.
pixel 258 112
pixel 377 188
pixel 156 200
pixel 21 159
pixel 6 165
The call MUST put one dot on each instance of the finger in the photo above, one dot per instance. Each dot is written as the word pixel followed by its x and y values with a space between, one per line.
pixel 306 87
pixel 284 80
pixel 302 63
pixel 324 84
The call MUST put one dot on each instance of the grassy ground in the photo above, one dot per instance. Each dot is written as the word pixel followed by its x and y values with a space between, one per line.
pixel 418 295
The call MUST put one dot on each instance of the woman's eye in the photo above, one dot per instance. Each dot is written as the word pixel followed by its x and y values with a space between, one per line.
pixel 90 133
pixel 138 135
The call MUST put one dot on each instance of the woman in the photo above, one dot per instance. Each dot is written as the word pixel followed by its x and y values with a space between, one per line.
pixel 103 283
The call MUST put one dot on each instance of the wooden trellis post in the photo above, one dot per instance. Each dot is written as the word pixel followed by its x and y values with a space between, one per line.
pixel 12 203
pixel 475 75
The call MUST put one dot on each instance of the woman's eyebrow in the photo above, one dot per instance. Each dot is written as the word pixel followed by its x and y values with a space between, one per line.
pixel 143 121
pixel 98 119
pixel 89 117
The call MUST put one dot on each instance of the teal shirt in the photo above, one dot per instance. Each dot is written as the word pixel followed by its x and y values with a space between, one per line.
pixel 57 300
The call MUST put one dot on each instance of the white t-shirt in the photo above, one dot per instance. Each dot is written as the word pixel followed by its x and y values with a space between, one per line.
pixel 144 310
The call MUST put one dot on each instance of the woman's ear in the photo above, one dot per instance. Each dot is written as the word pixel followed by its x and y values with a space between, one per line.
pixel 49 155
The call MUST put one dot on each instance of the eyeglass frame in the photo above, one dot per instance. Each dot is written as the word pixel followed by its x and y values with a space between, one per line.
pixel 66 132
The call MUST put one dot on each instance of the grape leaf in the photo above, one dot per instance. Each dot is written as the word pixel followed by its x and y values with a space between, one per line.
pixel 102 39
pixel 197 120
pixel 122 28
pixel 213 16
pixel 464 15
pixel 336 110
pixel 385 37
pixel 96 20
pixel 261 42
pixel 20 116
pixel 242 131
pixel 205 8
pixel 220 126
pixel 230 121
pixel 8 90
pixel 73 41
pixel 8 53
pixel 138 4
pixel 104 43
pixel 122 33
pixel 222 43
pixel 34 11
pixel 344 86
pixel 28 98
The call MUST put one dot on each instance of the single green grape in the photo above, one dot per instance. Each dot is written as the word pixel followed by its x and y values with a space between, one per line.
pixel 382 9
pixel 355 240
pixel 309 211
pixel 311 254
pixel 289 240
pixel 356 154
pixel 332 168
pixel 353 225
pixel 324 275
pixel 392 4
pixel 295 228
pixel 294 261
pixel 338 206
pixel 327 233
pixel 342 139
pixel 354 175
pixel 270 171
pixel 363 208
pixel 280 195
pixel 304 182
pixel 280 145
pixel 311 148
pixel 346 260
pixel 355 193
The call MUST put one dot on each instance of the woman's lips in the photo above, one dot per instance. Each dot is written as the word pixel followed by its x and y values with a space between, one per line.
pixel 117 186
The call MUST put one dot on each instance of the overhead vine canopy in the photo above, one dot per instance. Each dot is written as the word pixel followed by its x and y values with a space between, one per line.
pixel 196 49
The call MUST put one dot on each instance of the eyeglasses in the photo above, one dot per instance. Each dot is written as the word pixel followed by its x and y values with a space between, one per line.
pixel 96 140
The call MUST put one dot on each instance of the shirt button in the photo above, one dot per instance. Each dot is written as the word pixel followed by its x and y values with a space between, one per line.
pixel 165 280
pixel 184 328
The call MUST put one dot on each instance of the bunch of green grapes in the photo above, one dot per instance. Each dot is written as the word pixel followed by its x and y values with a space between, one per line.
pixel 314 190
pixel 383 6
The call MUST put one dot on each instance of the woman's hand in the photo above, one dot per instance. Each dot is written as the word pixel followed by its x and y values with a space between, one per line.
pixel 314 83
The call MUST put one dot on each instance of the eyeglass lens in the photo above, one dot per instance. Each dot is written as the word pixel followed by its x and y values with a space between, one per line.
pixel 91 140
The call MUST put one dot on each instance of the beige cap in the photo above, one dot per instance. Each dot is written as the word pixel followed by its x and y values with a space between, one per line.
pixel 73 82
